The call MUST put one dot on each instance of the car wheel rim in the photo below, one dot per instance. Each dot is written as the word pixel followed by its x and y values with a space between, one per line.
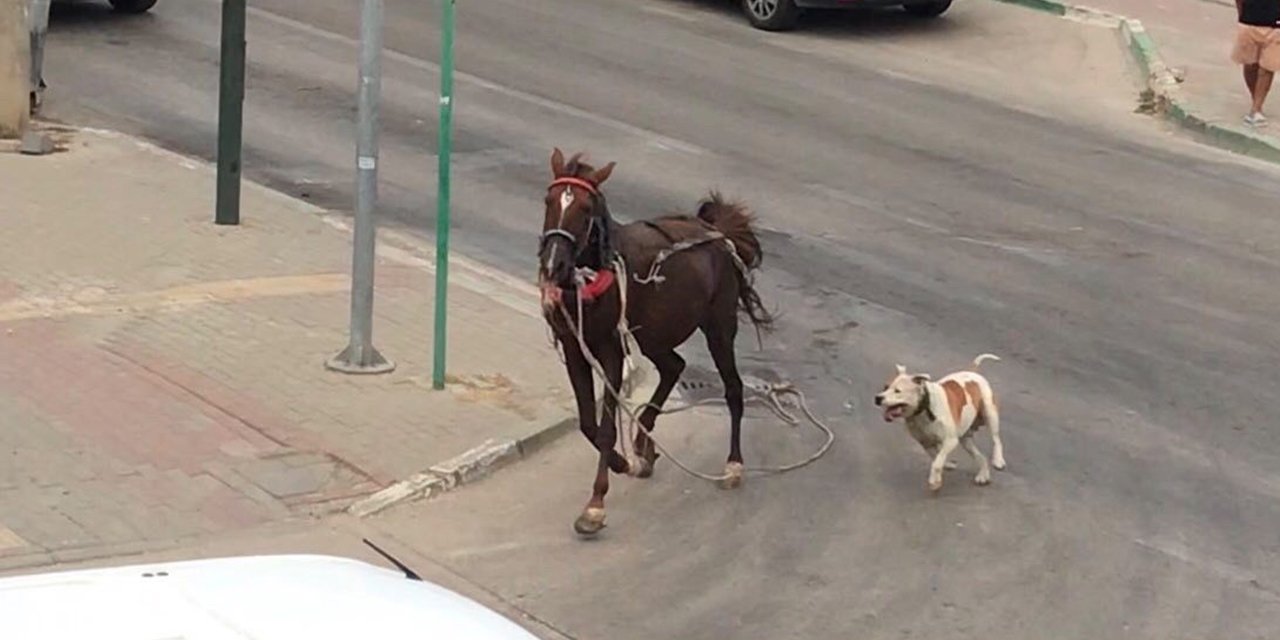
pixel 763 9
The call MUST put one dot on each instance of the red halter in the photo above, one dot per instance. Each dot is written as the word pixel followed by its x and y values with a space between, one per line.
pixel 597 286
pixel 604 278
pixel 576 182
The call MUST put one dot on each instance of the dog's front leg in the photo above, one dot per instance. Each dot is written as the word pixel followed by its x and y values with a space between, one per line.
pixel 940 462
pixel 932 452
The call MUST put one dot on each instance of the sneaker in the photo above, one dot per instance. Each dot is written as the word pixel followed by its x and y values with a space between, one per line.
pixel 1255 120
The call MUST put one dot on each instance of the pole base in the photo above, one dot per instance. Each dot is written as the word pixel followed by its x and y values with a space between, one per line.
pixel 360 361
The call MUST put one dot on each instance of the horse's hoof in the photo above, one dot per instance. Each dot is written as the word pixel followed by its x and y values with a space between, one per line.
pixel 638 467
pixel 590 522
pixel 732 476
pixel 646 470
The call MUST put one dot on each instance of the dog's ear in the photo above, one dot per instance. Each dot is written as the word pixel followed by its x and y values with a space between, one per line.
pixel 921 378
pixel 902 371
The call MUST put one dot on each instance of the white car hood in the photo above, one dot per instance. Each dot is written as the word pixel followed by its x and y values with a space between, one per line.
pixel 283 597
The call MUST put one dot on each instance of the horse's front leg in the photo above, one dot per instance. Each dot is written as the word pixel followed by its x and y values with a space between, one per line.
pixel 584 393
pixel 592 519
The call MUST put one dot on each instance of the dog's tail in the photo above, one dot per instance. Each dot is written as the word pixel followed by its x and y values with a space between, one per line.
pixel 977 362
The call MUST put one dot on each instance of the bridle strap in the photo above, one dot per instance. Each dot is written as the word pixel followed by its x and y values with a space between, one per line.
pixel 561 233
pixel 576 182
pixel 571 181
pixel 550 234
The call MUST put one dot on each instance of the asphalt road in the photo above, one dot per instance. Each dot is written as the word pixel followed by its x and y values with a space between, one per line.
pixel 928 196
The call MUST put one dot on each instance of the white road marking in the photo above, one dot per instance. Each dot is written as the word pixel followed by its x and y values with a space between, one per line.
pixel 1221 569
pixel 653 137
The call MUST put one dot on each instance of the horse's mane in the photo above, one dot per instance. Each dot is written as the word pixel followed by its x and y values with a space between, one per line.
pixel 602 244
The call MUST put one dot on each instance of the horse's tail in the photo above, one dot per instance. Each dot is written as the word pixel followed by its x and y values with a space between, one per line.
pixel 734 221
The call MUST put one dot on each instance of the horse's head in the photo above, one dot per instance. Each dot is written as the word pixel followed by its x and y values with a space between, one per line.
pixel 575 232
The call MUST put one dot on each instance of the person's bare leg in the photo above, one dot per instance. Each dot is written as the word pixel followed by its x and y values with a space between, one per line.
pixel 1261 88
pixel 1251 78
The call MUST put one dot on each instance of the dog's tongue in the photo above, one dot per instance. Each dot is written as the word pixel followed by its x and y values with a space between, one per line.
pixel 892 413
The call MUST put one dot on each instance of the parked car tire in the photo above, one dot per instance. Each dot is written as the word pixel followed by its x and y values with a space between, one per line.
pixel 928 9
pixel 132 6
pixel 772 15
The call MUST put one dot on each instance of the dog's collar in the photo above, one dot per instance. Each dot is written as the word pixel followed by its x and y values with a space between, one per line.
pixel 926 407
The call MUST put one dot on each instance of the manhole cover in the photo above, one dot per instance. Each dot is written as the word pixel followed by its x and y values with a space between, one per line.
pixel 699 384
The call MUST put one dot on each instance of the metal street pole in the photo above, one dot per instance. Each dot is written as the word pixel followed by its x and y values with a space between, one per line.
pixel 230 113
pixel 443 151
pixel 360 356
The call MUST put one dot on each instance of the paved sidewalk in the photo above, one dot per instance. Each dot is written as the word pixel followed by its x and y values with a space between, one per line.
pixel 1194 37
pixel 163 377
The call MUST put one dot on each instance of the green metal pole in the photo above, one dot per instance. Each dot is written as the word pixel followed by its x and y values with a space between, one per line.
pixel 442 189
pixel 230 113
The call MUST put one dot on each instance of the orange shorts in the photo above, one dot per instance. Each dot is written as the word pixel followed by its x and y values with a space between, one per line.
pixel 1257 45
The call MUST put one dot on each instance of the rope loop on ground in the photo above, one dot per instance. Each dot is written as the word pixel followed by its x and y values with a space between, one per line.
pixel 772 394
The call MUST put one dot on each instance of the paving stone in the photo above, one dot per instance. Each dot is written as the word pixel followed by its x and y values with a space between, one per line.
pixel 164 377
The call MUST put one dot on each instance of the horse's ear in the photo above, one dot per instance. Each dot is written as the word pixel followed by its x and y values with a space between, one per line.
pixel 557 163
pixel 602 173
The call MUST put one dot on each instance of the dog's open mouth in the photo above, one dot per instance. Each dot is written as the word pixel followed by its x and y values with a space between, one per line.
pixel 894 411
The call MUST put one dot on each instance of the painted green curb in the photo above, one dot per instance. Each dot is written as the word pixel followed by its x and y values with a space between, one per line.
pixel 1160 81
pixel 1143 50
pixel 1227 137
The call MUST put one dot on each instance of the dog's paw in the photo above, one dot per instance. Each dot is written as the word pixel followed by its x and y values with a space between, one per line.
pixel 935 483
pixel 951 464
pixel 998 463
pixel 983 478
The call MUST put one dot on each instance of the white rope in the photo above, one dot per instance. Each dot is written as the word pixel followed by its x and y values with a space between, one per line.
pixel 773 393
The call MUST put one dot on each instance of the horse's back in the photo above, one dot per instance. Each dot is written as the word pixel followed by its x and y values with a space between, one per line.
pixel 655 234
pixel 690 282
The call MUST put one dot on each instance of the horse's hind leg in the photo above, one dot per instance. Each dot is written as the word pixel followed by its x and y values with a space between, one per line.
pixel 993 420
pixel 720 337
pixel 670 365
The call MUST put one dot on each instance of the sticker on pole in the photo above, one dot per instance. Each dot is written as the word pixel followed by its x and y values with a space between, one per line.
pixel 366 163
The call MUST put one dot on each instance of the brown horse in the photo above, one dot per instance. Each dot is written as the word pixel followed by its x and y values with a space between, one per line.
pixel 682 273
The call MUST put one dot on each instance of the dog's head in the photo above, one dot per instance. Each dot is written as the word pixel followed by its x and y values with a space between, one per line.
pixel 902 395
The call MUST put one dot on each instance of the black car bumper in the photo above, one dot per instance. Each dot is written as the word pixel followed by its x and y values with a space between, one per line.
pixel 856 4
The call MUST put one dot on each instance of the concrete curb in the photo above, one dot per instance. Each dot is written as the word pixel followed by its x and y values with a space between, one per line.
pixel 1162 83
pixel 470 467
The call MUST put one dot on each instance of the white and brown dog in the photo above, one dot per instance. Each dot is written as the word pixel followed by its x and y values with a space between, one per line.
pixel 944 414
